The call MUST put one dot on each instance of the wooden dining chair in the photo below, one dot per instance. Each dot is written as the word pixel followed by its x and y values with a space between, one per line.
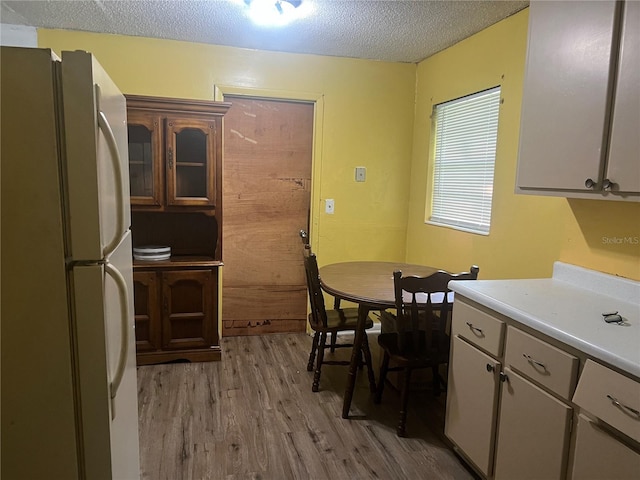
pixel 420 340
pixel 304 236
pixel 328 322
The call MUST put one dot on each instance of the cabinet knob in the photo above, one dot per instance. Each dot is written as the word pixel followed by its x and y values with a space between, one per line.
pixel 607 184
pixel 503 377
pixel 490 368
pixel 589 183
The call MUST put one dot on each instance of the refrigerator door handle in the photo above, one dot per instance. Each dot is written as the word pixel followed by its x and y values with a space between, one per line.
pixel 121 283
pixel 103 124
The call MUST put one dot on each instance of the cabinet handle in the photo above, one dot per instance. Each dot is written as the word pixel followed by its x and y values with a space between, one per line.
pixel 534 362
pixel 504 377
pixel 622 406
pixel 122 207
pixel 121 283
pixel 475 329
pixel 170 159
pixel 490 368
pixel 589 183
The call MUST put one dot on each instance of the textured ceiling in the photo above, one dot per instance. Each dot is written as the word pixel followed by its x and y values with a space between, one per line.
pixel 388 30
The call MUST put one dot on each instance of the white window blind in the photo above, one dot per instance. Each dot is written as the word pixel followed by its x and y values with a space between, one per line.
pixel 466 131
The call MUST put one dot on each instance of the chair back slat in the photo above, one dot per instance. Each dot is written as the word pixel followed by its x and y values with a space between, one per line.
pixel 316 298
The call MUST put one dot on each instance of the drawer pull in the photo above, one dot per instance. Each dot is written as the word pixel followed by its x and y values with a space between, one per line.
pixel 535 362
pixel 475 329
pixel 622 406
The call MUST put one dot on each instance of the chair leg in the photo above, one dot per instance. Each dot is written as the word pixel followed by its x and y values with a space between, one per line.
pixel 312 354
pixel 334 338
pixel 316 377
pixel 367 358
pixel 404 403
pixel 382 378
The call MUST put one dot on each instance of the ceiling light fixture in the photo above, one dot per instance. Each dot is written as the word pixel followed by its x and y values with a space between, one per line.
pixel 275 12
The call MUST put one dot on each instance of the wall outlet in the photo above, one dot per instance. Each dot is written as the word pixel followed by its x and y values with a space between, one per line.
pixel 361 174
pixel 329 206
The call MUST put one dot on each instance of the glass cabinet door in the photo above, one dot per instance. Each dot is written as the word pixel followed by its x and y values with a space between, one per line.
pixel 145 158
pixel 191 172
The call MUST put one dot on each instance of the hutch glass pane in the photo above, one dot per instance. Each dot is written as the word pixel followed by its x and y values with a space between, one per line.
pixel 191 163
pixel 140 161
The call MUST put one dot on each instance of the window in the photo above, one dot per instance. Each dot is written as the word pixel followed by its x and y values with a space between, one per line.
pixel 466 130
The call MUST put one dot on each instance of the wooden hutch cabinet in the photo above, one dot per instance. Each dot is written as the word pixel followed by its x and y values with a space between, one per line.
pixel 175 165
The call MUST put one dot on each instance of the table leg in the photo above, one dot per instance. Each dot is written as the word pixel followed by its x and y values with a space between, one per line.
pixel 356 355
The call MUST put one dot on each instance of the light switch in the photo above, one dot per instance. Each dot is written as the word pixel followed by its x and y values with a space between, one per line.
pixel 361 174
pixel 328 206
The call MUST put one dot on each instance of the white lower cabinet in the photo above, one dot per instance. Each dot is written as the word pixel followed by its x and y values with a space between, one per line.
pixel 472 394
pixel 510 414
pixel 533 433
pixel 599 455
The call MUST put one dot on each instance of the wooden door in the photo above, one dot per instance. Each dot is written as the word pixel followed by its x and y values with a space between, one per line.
pixel 266 198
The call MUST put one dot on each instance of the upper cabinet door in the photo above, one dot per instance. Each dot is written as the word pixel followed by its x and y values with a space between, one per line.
pixel 566 94
pixel 623 169
pixel 190 161
pixel 145 158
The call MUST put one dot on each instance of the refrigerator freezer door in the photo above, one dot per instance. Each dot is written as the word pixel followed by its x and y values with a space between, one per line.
pixel 107 365
pixel 97 158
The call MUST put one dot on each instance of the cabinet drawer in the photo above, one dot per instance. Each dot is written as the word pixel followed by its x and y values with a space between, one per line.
pixel 544 363
pixel 478 327
pixel 610 396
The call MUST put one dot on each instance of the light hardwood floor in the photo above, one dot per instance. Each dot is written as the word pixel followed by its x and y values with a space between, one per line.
pixel 253 416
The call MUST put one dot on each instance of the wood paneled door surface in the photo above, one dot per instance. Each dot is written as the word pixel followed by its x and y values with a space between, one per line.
pixel 266 195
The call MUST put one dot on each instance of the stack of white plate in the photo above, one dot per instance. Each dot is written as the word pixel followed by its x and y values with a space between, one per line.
pixel 152 253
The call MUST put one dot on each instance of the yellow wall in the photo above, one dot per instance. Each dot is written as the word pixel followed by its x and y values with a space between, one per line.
pixel 368 121
pixel 528 233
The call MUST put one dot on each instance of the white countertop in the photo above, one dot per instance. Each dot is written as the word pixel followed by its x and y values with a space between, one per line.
pixel 568 307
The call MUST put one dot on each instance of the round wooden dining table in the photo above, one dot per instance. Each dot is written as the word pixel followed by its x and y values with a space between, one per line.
pixel 370 285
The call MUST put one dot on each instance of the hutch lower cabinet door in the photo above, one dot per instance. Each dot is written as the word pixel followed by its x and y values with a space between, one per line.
pixel 147 311
pixel 176 315
pixel 187 309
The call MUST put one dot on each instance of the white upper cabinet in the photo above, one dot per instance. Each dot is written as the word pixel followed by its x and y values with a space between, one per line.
pixel 580 125
pixel 624 149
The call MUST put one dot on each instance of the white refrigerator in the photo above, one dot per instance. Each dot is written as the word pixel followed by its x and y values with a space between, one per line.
pixel 68 374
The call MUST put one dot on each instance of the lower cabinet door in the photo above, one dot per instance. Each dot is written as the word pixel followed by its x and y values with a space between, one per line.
pixel 147 311
pixel 533 432
pixel 187 317
pixel 472 393
pixel 595 453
